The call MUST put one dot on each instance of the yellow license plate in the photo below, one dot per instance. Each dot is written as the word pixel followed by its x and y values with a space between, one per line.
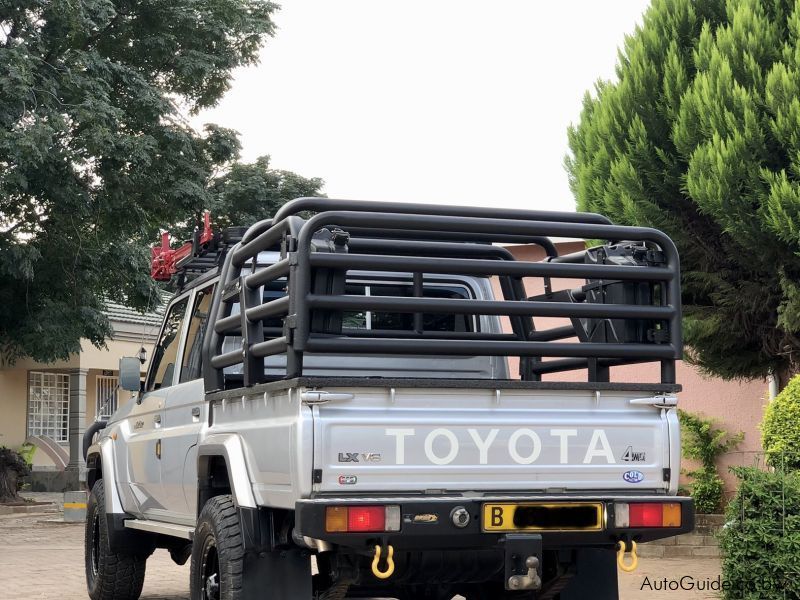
pixel 538 516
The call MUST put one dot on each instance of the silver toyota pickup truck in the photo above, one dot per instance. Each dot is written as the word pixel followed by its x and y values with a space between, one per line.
pixel 360 399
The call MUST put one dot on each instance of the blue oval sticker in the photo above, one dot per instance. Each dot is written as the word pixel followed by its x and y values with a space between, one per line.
pixel 633 476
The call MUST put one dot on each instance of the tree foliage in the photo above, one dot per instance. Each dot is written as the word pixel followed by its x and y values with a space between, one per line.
pixel 248 192
pixel 700 137
pixel 780 429
pixel 95 155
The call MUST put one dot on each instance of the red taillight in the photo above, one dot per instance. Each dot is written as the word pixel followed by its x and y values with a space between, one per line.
pixel 363 519
pixel 645 515
pixel 366 518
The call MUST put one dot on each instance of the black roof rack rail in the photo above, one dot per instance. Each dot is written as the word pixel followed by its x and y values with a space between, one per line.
pixel 627 311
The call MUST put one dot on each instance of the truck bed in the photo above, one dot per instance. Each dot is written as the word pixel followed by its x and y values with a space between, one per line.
pixel 314 436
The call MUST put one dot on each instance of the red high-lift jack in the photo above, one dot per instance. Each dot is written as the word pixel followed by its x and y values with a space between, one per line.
pixel 166 261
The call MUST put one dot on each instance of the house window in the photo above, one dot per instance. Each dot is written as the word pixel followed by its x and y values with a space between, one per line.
pixel 107 388
pixel 48 405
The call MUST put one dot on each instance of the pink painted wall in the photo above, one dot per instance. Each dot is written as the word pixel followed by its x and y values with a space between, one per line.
pixel 735 405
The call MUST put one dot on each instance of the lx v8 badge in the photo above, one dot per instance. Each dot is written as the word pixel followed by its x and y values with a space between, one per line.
pixel 354 457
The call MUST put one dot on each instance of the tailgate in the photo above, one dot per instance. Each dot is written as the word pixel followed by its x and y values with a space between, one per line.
pixel 440 440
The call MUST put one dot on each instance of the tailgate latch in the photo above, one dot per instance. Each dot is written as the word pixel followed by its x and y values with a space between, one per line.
pixel 320 397
pixel 658 401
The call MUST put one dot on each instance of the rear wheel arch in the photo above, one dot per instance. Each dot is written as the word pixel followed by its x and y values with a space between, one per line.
pixel 213 478
pixel 263 528
pixel 221 466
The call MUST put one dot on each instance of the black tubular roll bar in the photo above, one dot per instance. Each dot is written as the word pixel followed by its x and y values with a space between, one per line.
pixel 627 312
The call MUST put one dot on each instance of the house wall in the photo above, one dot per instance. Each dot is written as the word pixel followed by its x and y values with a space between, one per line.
pixel 13 406
pixel 734 405
pixel 14 387
pixel 108 358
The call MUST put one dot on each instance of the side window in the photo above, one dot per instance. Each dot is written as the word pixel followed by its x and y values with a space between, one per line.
pixel 166 351
pixel 192 362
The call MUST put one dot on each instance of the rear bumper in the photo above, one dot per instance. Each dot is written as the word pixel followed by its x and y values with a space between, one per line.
pixel 435 529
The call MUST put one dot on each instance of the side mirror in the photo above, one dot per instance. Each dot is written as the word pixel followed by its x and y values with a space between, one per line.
pixel 129 378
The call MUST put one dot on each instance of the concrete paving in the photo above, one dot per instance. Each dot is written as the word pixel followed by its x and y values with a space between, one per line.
pixel 41 558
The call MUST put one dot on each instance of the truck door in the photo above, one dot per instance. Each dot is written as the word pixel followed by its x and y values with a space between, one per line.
pixel 185 416
pixel 145 424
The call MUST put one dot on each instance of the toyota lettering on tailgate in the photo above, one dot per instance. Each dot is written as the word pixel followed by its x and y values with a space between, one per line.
pixel 524 445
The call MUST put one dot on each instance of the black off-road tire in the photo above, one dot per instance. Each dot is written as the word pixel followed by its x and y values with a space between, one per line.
pixel 109 575
pixel 217 552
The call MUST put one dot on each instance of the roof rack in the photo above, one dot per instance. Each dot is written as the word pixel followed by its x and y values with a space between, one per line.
pixel 628 311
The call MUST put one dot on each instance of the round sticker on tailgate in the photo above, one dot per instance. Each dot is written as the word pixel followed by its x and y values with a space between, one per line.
pixel 633 476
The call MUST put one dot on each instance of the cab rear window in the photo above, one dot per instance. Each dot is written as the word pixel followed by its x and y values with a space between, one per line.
pixel 394 321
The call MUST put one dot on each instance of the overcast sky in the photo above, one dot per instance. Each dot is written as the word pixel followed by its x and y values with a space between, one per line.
pixel 452 101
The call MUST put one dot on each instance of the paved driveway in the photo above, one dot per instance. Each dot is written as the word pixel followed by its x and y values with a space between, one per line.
pixel 41 559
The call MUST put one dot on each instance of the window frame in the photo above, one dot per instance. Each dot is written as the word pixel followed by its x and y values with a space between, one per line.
pixel 189 296
pixel 114 405
pixel 65 421
pixel 212 285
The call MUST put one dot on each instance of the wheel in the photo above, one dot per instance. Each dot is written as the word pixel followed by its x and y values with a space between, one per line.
pixel 109 575
pixel 217 552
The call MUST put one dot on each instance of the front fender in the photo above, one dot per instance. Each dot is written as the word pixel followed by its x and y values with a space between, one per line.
pixel 120 539
pixel 229 446
pixel 103 452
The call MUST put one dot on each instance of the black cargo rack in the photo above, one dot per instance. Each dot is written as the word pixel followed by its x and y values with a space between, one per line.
pixel 341 235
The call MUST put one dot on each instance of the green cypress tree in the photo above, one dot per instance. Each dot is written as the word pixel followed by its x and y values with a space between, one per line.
pixel 700 136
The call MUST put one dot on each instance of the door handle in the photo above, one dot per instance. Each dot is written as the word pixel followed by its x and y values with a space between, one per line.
pixel 157 419
pixel 196 413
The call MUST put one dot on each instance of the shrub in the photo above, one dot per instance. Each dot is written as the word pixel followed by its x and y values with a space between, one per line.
pixel 12 469
pixel 780 430
pixel 704 442
pixel 26 451
pixel 706 490
pixel 761 538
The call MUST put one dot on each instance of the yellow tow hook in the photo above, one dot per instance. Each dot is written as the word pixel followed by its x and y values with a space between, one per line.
pixel 389 562
pixel 621 549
